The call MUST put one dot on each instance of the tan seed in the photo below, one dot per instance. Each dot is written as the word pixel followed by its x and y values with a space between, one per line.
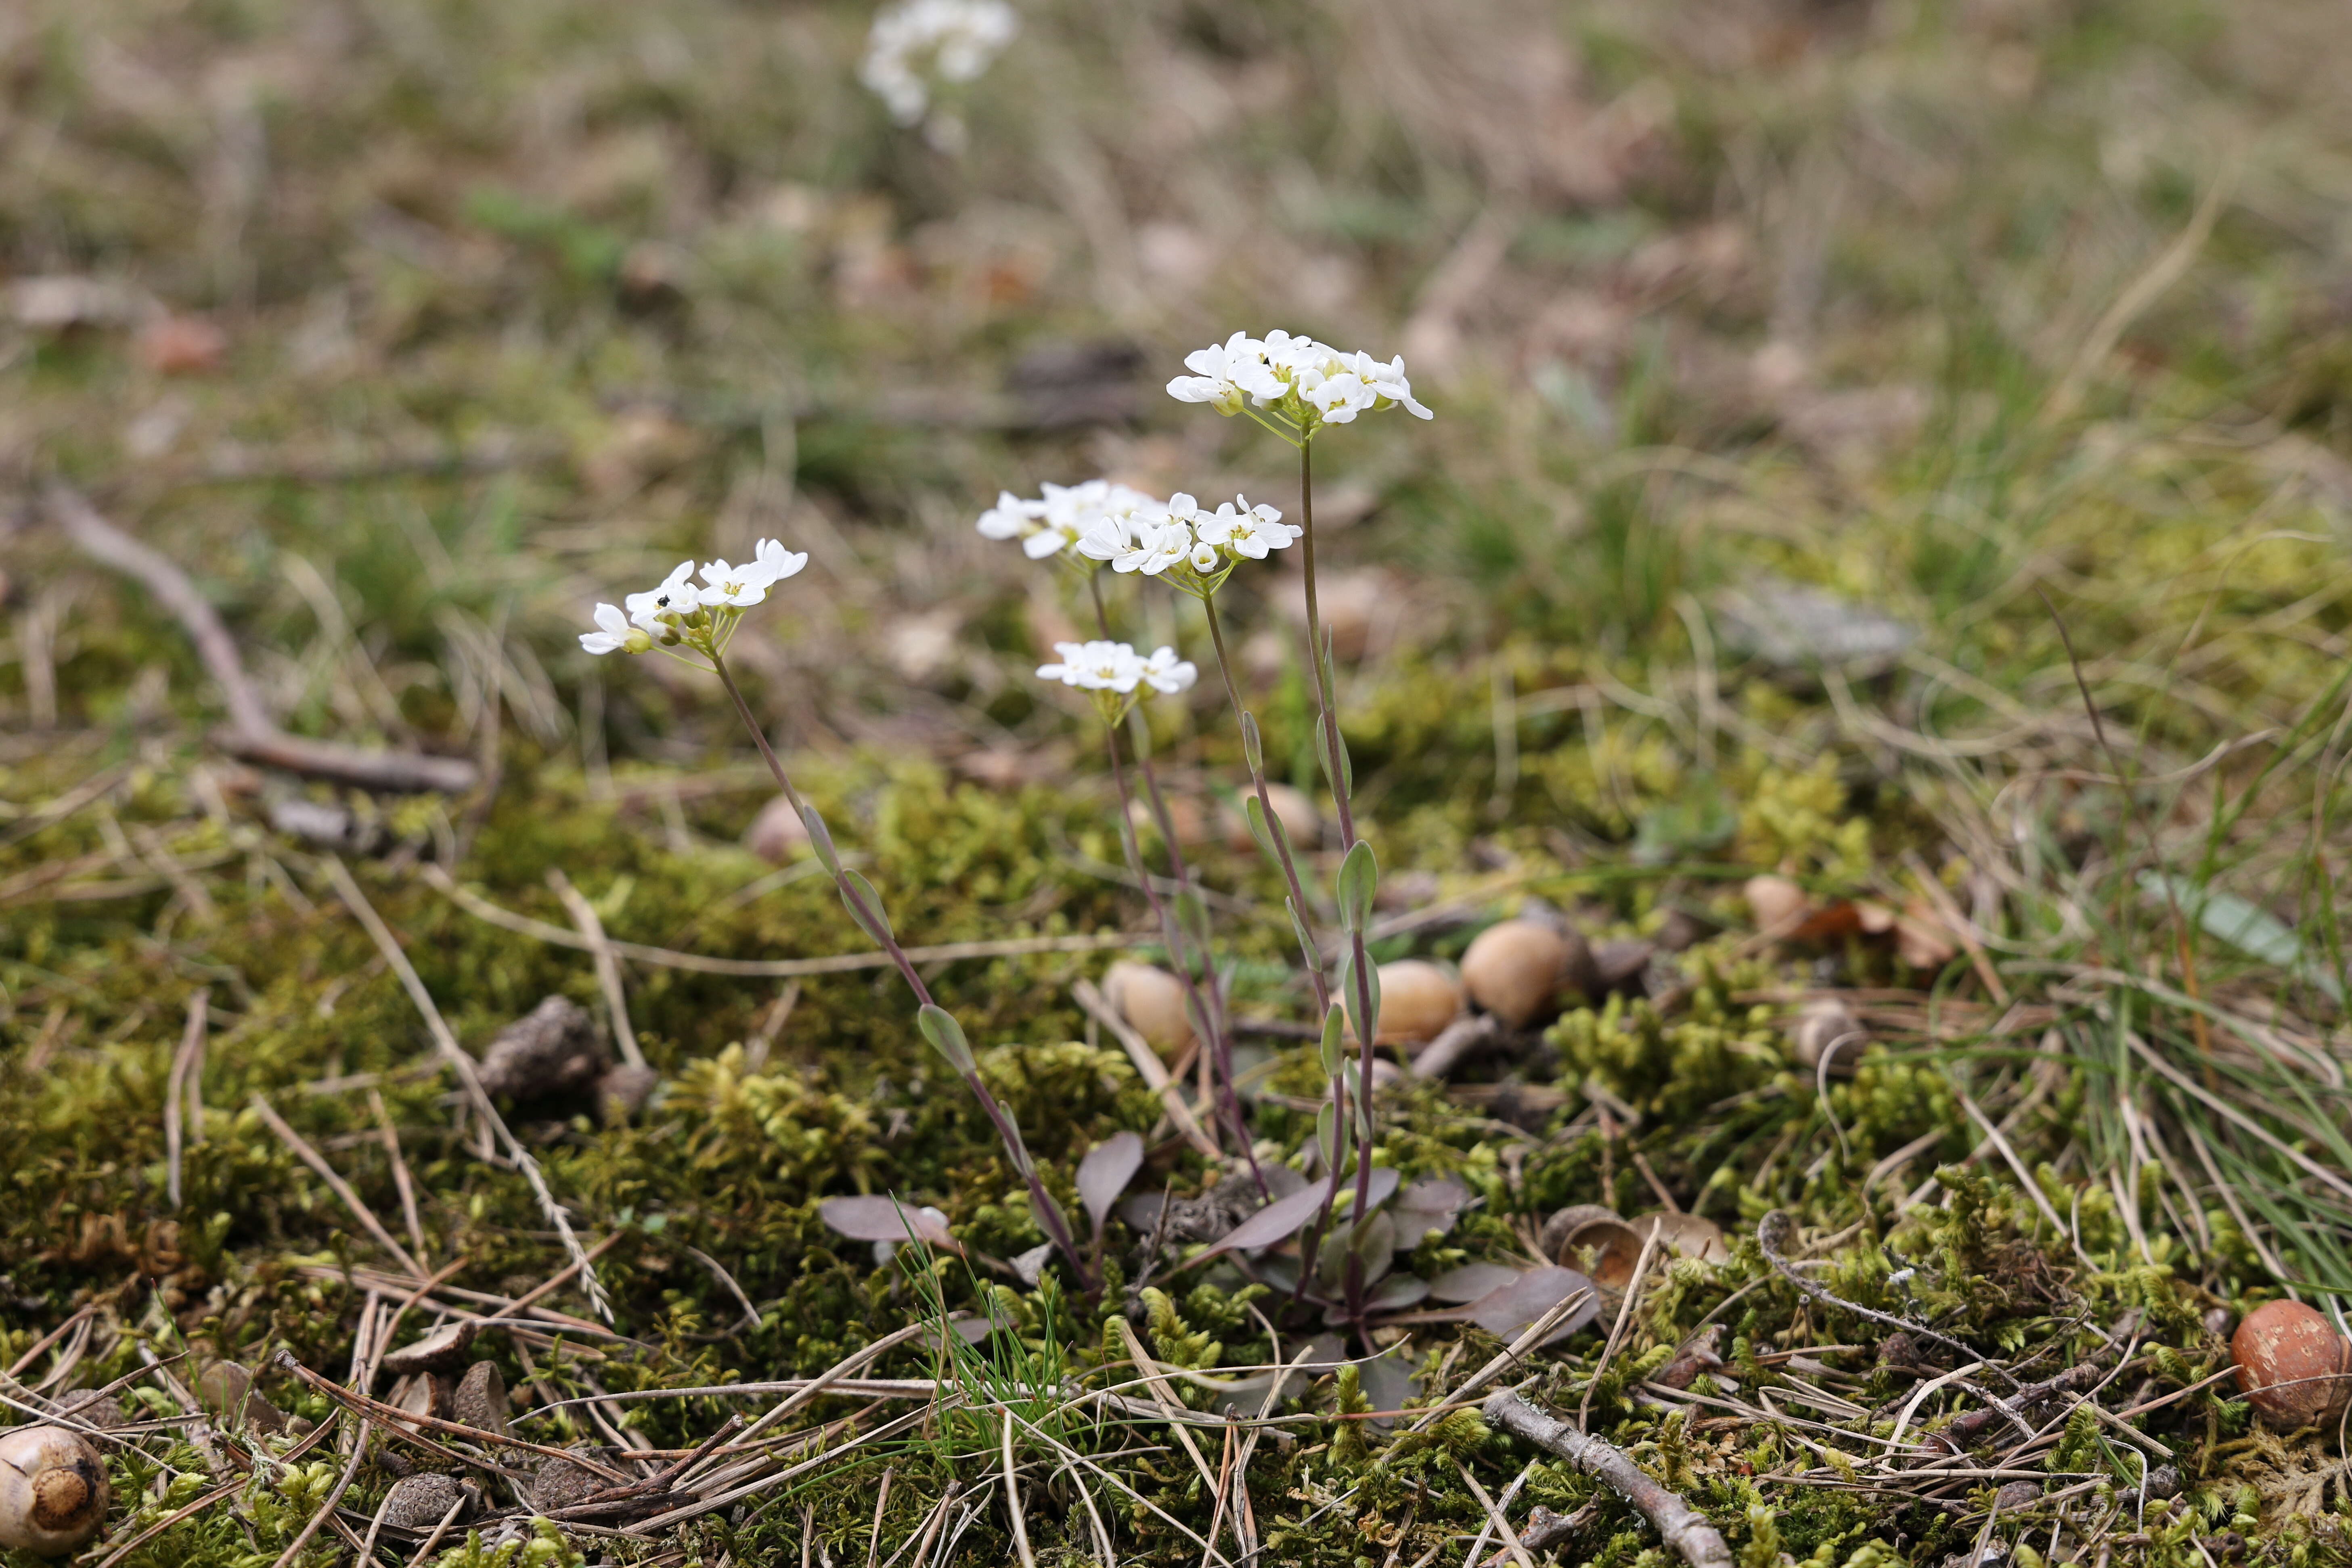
pixel 1152 1001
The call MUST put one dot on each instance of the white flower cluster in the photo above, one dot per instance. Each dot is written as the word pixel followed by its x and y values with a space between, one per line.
pixel 682 610
pixel 1107 523
pixel 918 43
pixel 1063 515
pixel 1307 383
pixel 1117 667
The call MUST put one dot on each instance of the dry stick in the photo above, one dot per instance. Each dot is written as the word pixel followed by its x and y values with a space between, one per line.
pixel 481 909
pixel 479 1098
pixel 872 920
pixel 400 1178
pixel 183 1064
pixel 1682 1527
pixel 608 968
pixel 251 733
pixel 80 1315
pixel 1617 1328
pixel 341 1189
pixel 1147 1065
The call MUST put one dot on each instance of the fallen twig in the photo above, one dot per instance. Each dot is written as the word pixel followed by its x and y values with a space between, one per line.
pixel 342 1188
pixel 1679 1525
pixel 251 734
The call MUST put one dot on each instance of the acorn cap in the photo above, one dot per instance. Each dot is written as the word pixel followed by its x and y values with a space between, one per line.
pixel 53 1490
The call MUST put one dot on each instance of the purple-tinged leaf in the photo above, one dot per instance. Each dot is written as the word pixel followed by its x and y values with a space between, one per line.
pixel 883 1218
pixel 1104 1174
pixel 1507 1312
pixel 1431 1204
pixel 1285 1217
pixel 1471 1281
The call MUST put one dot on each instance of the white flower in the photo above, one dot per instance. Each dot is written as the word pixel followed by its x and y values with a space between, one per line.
pixel 1117 667
pixel 1164 671
pixel 771 554
pixel 1106 539
pixel 1222 374
pixel 1247 530
pixel 1011 516
pixel 916 42
pixel 660 608
pixel 616 635
pixel 1095 667
pixel 1388 380
pixel 1154 547
pixel 741 586
pixel 1329 386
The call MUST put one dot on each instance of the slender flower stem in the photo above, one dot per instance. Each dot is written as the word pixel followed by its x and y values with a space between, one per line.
pixel 1049 1213
pixel 1327 714
pixel 1229 1103
pixel 1306 947
pixel 1207 994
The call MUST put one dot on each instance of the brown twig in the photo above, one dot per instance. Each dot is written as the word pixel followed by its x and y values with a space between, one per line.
pixel 1682 1527
pixel 252 735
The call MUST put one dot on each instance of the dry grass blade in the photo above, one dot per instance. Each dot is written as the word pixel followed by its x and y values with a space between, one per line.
pixel 1495 1520
pixel 1013 1500
pixel 482 909
pixel 608 968
pixel 185 1083
pixel 455 1054
pixel 1146 1065
pixel 341 1189
pixel 400 1176
pixel 440 1529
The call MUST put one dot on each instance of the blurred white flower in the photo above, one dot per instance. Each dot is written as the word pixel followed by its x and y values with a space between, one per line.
pixel 1117 668
pixel 1066 517
pixel 660 609
pixel 1224 373
pixel 1164 671
pixel 918 45
pixel 1300 382
pixel 1011 516
pixel 615 634
pixel 1095 667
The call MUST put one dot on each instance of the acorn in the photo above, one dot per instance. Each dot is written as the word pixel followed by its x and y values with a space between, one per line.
pixel 2295 1369
pixel 1683 1235
pixel 1827 1030
pixel 1418 999
pixel 1563 1223
pixel 1152 1001
pixel 1779 905
pixel 53 1492
pixel 1516 970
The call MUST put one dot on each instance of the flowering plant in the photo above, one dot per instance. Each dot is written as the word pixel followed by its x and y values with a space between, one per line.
pixel 694 622
pixel 918 46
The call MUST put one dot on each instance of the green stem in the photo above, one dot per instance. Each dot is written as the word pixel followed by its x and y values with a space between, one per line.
pixel 1307 949
pixel 1049 1214
pixel 1327 714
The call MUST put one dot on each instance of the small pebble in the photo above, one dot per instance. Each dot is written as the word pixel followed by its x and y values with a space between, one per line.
pixel 1152 1001
pixel 1418 999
